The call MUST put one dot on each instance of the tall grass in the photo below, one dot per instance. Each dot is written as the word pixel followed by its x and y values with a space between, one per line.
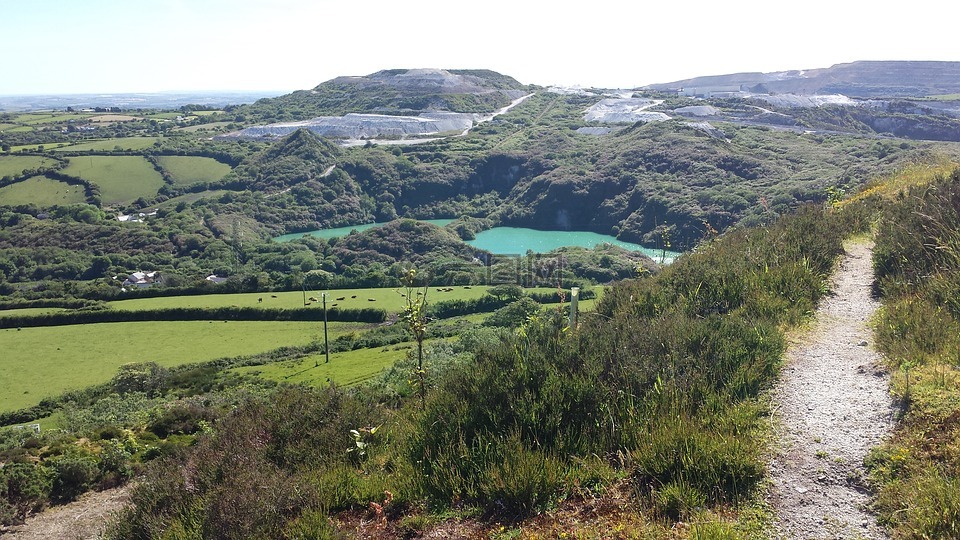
pixel 917 263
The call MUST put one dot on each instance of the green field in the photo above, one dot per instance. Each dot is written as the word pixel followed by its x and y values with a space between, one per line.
pixel 172 115
pixel 36 147
pixel 41 191
pixel 40 119
pixel 125 143
pixel 212 126
pixel 4 126
pixel 345 368
pixel 191 197
pixel 46 361
pixel 32 118
pixel 122 179
pixel 28 311
pixel 187 170
pixel 388 299
pixel 15 165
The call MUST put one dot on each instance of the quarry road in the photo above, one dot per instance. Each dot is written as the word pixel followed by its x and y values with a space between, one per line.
pixel 831 406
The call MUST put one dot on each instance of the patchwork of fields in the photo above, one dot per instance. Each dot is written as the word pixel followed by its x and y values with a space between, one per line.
pixel 15 165
pixel 47 361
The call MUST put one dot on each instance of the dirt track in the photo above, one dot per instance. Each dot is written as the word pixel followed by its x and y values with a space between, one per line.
pixel 84 519
pixel 831 406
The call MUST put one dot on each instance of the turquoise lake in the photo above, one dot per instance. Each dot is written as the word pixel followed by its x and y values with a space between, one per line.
pixel 516 240
pixel 509 240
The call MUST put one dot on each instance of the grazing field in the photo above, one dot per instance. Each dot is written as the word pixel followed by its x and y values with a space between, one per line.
pixel 124 143
pixel 212 126
pixel 29 311
pixel 122 179
pixel 4 126
pixel 42 119
pixel 171 115
pixel 41 191
pixel 15 165
pixel 111 118
pixel 388 299
pixel 34 118
pixel 345 368
pixel 187 170
pixel 44 362
pixel 191 197
pixel 37 147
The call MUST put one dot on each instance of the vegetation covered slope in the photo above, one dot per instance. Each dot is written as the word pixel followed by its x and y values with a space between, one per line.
pixel 659 389
pixel 395 91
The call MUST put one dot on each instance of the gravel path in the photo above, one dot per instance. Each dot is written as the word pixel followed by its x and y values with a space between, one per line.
pixel 832 405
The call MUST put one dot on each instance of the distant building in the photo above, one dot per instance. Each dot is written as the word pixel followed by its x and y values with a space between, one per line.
pixel 135 218
pixel 213 278
pixel 143 279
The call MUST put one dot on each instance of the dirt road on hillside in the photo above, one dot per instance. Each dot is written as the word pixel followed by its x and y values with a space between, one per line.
pixel 831 406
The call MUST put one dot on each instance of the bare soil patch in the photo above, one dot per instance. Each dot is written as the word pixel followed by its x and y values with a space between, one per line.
pixel 832 406
pixel 83 519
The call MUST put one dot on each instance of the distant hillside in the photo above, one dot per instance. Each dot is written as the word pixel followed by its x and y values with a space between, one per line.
pixel 395 91
pixel 857 79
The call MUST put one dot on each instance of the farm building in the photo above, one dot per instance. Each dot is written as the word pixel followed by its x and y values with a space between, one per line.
pixel 143 279
pixel 213 278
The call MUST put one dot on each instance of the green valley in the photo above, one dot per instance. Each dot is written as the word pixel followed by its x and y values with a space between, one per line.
pixel 163 308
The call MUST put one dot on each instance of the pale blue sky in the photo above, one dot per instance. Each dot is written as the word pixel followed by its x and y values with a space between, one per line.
pixel 102 46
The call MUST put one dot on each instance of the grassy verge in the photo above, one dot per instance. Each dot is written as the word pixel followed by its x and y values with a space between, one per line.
pixel 917 260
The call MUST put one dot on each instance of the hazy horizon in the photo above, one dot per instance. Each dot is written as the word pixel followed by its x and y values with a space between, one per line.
pixel 108 46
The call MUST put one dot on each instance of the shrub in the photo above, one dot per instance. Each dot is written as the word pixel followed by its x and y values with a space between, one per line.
pixel 147 378
pixel 24 489
pixel 513 314
pixel 184 418
pixel 73 475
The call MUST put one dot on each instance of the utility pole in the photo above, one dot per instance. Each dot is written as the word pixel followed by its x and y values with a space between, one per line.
pixel 574 299
pixel 326 344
